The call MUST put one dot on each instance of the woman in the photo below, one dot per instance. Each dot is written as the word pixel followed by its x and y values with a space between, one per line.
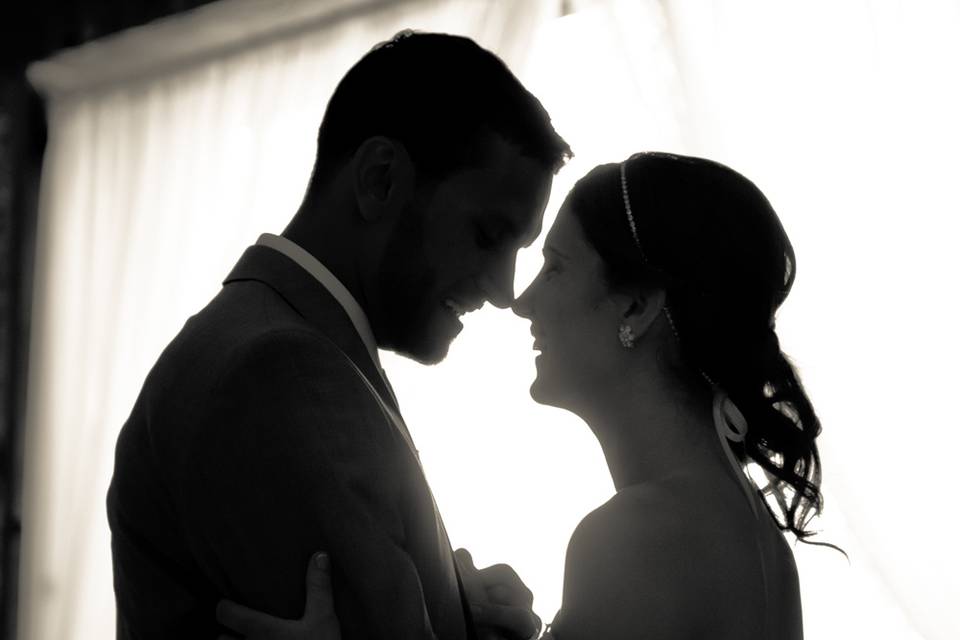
pixel 654 318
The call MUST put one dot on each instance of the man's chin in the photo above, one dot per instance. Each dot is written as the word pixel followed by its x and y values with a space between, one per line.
pixel 426 340
pixel 427 350
pixel 424 356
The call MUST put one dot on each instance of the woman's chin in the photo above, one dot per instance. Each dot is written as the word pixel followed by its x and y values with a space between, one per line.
pixel 553 390
pixel 548 387
pixel 542 392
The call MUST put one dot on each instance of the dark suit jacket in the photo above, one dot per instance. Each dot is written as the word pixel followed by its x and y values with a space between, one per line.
pixel 253 444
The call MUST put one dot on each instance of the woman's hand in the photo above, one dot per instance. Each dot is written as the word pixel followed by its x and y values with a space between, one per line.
pixel 501 604
pixel 319 621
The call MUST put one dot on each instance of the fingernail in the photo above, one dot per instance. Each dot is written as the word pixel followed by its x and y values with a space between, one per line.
pixel 322 560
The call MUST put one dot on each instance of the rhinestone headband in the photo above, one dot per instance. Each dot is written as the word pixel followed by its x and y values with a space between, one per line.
pixel 729 421
pixel 629 210
pixel 643 255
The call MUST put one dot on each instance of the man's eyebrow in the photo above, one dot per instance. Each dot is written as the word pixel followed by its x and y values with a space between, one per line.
pixel 500 219
pixel 508 227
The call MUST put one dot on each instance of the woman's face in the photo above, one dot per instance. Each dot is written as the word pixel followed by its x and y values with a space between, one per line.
pixel 573 319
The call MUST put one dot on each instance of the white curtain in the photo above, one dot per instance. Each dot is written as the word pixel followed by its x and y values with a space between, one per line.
pixel 165 162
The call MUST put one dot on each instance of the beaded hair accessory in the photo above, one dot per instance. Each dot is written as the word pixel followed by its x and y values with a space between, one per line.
pixel 643 255
pixel 729 421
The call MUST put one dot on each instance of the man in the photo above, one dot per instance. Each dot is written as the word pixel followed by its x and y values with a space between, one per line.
pixel 267 429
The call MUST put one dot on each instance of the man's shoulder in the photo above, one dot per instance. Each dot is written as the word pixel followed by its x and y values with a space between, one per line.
pixel 225 370
pixel 246 321
pixel 283 351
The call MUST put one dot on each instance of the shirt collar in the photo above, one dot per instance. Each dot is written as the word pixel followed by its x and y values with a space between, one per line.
pixel 321 274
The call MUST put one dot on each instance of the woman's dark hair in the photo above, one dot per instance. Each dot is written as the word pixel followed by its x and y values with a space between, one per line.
pixel 439 95
pixel 711 239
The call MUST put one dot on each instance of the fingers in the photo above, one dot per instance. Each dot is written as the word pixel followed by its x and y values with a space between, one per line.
pixel 472 581
pixel 498 597
pixel 519 621
pixel 504 586
pixel 319 604
pixel 241 619
pixel 464 560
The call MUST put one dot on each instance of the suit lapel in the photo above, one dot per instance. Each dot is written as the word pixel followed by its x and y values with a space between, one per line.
pixel 313 302
pixel 316 305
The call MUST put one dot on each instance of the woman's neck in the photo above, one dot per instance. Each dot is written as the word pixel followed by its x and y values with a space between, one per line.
pixel 652 430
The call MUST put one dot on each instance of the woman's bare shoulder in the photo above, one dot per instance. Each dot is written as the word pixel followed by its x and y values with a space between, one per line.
pixel 649 556
pixel 677 506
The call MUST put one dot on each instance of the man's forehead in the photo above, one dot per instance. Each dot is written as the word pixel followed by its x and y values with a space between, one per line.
pixel 525 217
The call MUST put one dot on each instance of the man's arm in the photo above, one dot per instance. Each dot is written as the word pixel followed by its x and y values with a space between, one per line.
pixel 301 459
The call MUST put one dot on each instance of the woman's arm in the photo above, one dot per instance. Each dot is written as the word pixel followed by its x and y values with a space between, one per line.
pixel 319 621
pixel 499 598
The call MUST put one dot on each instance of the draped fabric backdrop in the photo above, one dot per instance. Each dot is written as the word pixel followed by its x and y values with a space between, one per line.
pixel 174 145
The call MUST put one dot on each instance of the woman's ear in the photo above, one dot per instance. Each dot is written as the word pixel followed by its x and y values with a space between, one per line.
pixel 640 309
pixel 382 178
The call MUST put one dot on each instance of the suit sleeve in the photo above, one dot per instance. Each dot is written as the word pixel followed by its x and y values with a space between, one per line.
pixel 298 457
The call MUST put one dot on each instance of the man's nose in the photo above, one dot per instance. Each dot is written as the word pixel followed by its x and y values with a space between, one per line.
pixel 498 283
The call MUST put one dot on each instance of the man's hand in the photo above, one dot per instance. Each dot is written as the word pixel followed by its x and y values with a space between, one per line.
pixel 501 604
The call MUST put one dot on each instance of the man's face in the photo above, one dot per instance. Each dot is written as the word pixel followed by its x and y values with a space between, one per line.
pixel 455 248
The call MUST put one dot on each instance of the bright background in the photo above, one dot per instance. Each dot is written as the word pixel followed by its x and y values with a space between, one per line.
pixel 172 146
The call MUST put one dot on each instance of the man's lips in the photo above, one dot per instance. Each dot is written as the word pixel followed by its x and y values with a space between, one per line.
pixel 460 308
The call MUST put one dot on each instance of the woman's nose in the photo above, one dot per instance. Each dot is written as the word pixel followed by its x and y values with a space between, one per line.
pixel 521 306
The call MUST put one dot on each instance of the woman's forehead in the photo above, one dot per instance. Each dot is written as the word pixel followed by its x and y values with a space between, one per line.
pixel 567 238
pixel 566 232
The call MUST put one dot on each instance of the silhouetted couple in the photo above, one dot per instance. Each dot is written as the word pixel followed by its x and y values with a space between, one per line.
pixel 267 430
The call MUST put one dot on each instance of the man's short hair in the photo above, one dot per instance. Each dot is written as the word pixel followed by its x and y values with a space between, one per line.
pixel 439 95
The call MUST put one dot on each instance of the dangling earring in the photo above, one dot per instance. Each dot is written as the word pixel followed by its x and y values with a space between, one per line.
pixel 627 337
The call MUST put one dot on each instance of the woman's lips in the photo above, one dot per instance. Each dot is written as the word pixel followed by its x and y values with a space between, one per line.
pixel 537 344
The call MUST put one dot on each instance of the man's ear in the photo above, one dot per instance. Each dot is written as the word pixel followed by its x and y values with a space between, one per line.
pixel 640 309
pixel 382 178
